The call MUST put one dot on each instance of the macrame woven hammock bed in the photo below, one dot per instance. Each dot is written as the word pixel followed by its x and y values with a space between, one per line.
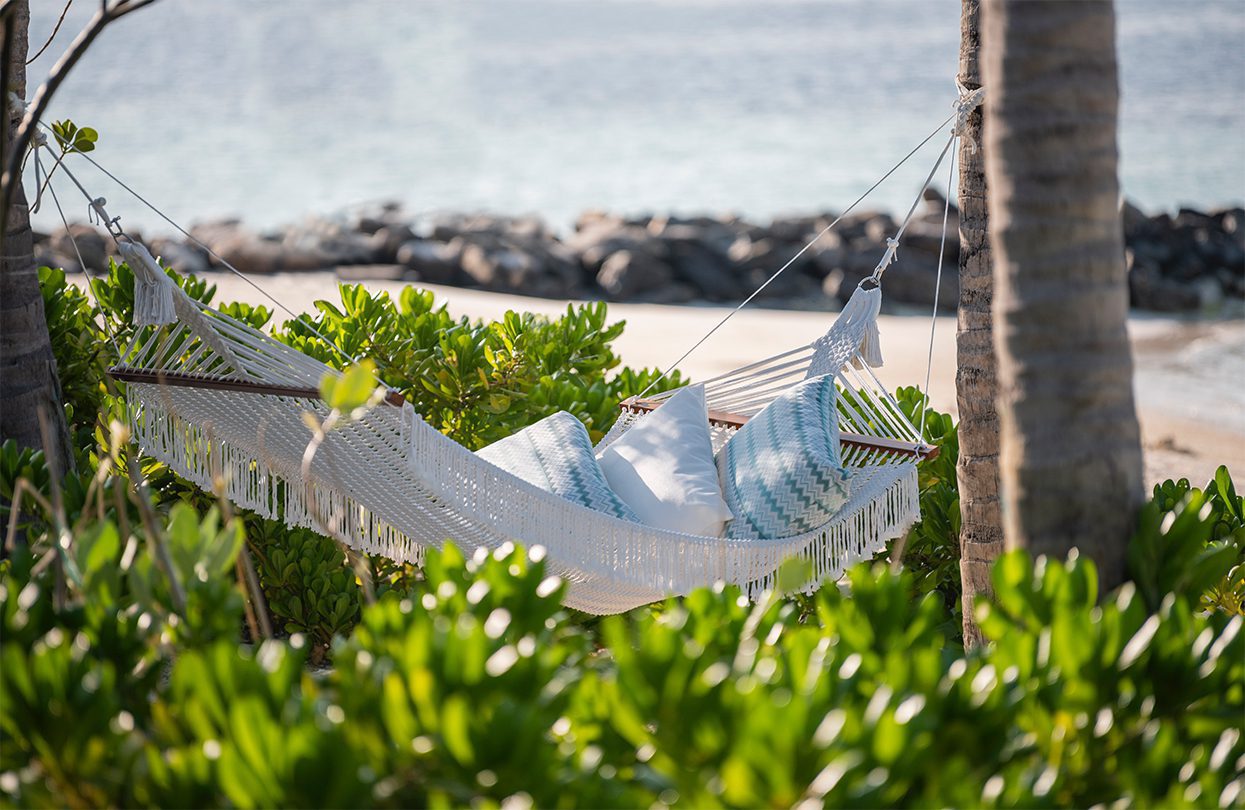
pixel 212 397
pixel 208 396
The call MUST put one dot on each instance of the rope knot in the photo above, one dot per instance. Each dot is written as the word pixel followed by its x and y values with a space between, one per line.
pixel 888 258
pixel 968 101
pixel 17 106
pixel 98 214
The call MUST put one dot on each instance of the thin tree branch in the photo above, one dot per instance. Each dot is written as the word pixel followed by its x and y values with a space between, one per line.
pixel 256 606
pixel 124 8
pixel 55 30
pixel 155 537
pixel 63 539
pixel 254 593
pixel 108 12
pixel 22 488
pixel 357 561
pixel 30 123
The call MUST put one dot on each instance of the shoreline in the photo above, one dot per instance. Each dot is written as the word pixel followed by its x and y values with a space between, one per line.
pixel 1192 415
pixel 1190 262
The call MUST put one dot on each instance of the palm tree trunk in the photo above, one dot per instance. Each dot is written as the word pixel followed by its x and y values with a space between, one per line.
pixel 977 471
pixel 28 382
pixel 1070 455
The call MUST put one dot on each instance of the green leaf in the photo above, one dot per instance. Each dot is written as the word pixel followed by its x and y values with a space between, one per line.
pixel 352 389
pixel 794 573
pixel 455 728
pixel 497 403
pixel 1227 493
pixel 220 553
pixel 184 538
pixel 97 548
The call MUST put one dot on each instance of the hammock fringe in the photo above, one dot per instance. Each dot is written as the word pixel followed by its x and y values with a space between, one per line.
pixel 854 537
pixel 277 493
pixel 250 483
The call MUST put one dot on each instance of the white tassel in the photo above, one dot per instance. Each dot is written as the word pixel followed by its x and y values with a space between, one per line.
pixel 859 316
pixel 871 345
pixel 867 310
pixel 251 484
pixel 153 289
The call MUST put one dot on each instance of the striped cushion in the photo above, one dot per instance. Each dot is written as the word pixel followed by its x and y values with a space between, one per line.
pixel 556 455
pixel 781 472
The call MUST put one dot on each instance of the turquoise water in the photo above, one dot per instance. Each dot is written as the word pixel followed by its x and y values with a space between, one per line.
pixel 272 110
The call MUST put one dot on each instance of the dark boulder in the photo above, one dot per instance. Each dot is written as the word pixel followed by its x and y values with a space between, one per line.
pixel 249 252
pixel 913 278
pixel 47 258
pixel 371 218
pixel 499 269
pixel 433 262
pixel 92 244
pixel 185 257
pixel 1148 289
pixel 388 239
pixel 626 275
pixel 704 269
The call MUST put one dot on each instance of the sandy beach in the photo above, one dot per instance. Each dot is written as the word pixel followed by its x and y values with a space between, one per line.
pixel 1188 373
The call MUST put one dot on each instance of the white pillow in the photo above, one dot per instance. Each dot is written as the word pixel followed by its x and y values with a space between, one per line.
pixel 556 455
pixel 663 468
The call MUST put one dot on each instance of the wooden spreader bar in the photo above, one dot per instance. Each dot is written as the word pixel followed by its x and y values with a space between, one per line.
pixel 179 379
pixel 735 420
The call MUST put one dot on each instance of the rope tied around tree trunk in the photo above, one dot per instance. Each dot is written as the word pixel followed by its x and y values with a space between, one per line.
pixel 968 101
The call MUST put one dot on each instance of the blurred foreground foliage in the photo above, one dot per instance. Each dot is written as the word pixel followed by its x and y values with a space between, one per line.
pixel 471 685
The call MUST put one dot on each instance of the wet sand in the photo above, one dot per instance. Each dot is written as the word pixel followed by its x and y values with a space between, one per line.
pixel 1189 375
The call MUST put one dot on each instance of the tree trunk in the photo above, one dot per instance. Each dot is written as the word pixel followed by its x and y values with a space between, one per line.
pixel 977 472
pixel 1070 454
pixel 28 381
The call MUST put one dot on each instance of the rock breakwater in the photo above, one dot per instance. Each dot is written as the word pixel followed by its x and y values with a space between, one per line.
pixel 1189 261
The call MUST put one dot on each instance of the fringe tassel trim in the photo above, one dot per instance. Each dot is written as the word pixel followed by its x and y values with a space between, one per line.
pixel 855 537
pixel 250 483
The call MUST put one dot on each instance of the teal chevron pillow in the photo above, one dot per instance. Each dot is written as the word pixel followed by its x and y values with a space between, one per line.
pixel 556 455
pixel 781 472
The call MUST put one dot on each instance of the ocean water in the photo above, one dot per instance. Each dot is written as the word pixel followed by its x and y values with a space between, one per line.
pixel 273 110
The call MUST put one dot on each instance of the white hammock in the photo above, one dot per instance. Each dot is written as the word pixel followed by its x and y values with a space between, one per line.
pixel 208 395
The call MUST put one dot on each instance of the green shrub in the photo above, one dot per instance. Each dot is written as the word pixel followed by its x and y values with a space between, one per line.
pixel 478 382
pixel 27 464
pixel 309 587
pixel 473 686
pixel 931 549
pixel 79 670
pixel 1193 540
pixel 82 354
pixel 469 684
